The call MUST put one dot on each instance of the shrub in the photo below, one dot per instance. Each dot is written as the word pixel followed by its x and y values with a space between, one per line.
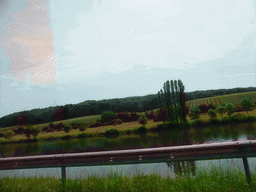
pixel 107 116
pixel 111 133
pixel 99 119
pixel 161 115
pixel 37 131
pixel 67 128
pixel 51 124
pixel 29 130
pixel 119 121
pixel 82 126
pixel 230 108
pixel 83 135
pixel 1 134
pixel 125 117
pixel 110 123
pixel 212 114
pixel 143 119
pixel 197 123
pixel 212 106
pixel 8 134
pixel 220 110
pixel 150 115
pixel 66 137
pixel 246 103
pixel 97 124
pixel 128 131
pixel 204 108
pixel 139 130
pixel 134 116
pixel 194 112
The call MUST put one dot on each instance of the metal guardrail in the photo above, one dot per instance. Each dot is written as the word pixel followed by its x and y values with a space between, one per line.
pixel 223 150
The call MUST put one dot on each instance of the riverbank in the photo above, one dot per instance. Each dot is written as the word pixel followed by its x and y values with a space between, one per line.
pixel 130 128
pixel 213 179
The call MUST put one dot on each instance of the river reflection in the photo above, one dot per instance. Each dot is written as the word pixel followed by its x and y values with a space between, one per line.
pixel 216 133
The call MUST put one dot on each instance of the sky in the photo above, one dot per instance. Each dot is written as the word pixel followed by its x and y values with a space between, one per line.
pixel 66 52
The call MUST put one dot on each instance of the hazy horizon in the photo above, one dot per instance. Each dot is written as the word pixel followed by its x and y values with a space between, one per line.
pixel 57 53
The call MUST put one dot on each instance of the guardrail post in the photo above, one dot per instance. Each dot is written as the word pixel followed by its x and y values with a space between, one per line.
pixel 247 171
pixel 63 173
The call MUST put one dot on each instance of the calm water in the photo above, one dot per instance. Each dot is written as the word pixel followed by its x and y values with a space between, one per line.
pixel 245 131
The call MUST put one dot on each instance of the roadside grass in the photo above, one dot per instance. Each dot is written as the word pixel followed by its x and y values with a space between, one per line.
pixel 215 178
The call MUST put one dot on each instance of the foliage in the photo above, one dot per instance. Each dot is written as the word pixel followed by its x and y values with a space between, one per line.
pixel 230 108
pixel 194 112
pixel 107 116
pixel 119 121
pixel 37 131
pixel 212 106
pixel 8 134
pixel 66 137
pixel 111 132
pixel 143 119
pixel 246 103
pixel 83 135
pixel 28 130
pixel 82 126
pixel 98 119
pixel 140 108
pixel 139 130
pixel 212 114
pixel 197 123
pixel 221 110
pixel 67 128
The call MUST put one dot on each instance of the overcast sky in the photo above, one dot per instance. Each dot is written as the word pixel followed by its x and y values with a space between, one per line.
pixel 65 52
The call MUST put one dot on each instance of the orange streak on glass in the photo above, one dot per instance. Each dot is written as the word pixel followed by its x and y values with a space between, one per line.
pixel 29 44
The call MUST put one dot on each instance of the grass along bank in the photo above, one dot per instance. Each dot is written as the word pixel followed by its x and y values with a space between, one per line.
pixel 214 179
pixel 124 128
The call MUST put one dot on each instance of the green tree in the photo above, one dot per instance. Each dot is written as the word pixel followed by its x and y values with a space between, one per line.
pixel 212 113
pixel 230 108
pixel 221 110
pixel 8 134
pixel 140 108
pixel 143 119
pixel 246 103
pixel 37 131
pixel 194 112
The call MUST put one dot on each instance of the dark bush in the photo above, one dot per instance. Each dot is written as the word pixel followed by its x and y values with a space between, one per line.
pixel 46 129
pixel 1 134
pixel 128 132
pixel 125 117
pixel 97 124
pixel 239 108
pixel 67 128
pixel 66 137
pixel 150 115
pixel 140 130
pixel 75 126
pixel 111 122
pixel 83 135
pixel 111 133
pixel 59 127
pixel 161 115
pixel 107 116
pixel 19 131
pixel 134 116
pixel 204 108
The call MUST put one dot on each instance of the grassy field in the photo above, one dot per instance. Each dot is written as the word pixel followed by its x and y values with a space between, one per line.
pixel 215 179
pixel 122 127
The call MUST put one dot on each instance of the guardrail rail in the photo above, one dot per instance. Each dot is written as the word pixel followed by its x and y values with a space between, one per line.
pixel 223 150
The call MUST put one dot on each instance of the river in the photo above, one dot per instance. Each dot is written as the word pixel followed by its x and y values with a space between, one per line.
pixel 211 134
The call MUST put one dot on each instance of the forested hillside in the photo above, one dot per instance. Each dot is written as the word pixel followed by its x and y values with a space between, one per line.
pixel 92 107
